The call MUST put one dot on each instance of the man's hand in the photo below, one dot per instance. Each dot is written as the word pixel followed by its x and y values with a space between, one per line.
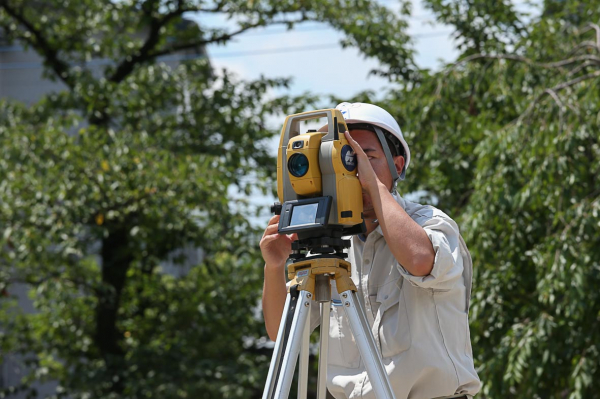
pixel 366 175
pixel 276 247
pixel 275 250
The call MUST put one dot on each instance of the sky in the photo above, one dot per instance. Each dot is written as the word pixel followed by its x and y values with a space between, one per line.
pixel 311 54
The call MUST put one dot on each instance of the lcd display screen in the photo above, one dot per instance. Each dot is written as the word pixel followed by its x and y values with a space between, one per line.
pixel 304 214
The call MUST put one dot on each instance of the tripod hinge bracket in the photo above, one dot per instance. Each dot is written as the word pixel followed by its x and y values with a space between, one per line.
pixel 304 272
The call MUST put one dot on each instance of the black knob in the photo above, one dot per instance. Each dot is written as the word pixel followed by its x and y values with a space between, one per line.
pixel 276 208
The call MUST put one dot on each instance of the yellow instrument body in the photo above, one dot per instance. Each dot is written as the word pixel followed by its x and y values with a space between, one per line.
pixel 332 167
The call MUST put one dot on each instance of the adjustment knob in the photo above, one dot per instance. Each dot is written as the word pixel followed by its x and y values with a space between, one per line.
pixel 276 208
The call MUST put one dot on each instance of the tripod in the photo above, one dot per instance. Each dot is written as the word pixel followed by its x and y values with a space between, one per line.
pixel 311 280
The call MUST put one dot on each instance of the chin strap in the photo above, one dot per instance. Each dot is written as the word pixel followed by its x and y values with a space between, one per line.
pixel 388 154
pixel 394 190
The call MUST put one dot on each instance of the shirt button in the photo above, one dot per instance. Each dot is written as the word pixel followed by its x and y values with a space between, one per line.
pixel 367 261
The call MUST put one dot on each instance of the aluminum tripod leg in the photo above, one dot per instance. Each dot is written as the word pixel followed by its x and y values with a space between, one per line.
pixel 281 373
pixel 323 350
pixel 293 335
pixel 303 361
pixel 277 354
pixel 286 374
pixel 367 346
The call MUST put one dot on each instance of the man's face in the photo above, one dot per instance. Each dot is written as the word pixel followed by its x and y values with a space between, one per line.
pixel 372 147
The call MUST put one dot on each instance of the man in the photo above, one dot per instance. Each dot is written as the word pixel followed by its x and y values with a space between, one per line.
pixel 413 274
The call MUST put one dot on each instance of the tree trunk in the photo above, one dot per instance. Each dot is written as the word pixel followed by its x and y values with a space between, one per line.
pixel 116 260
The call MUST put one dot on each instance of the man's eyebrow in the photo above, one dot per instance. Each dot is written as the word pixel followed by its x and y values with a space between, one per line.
pixel 368 149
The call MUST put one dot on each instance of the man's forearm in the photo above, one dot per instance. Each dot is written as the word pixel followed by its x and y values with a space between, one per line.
pixel 406 239
pixel 273 299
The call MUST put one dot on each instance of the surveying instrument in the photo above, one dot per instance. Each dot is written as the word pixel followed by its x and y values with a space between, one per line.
pixel 320 200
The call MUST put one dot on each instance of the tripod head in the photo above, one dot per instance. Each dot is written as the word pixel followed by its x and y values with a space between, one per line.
pixel 322 240
pixel 327 241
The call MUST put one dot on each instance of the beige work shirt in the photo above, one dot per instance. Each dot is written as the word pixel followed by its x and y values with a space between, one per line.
pixel 419 323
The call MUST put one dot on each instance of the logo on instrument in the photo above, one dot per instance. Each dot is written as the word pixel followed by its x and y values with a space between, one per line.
pixel 348 158
pixel 302 273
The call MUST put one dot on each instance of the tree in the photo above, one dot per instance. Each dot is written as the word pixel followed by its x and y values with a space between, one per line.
pixel 506 139
pixel 103 181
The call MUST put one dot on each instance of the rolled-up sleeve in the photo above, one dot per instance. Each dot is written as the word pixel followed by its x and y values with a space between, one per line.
pixel 448 263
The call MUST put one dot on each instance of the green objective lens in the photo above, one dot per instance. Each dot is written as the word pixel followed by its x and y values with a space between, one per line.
pixel 298 165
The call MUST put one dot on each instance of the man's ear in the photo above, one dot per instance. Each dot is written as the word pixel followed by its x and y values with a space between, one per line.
pixel 399 162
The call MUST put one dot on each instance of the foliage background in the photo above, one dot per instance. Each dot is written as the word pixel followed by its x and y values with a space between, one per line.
pixel 508 141
pixel 103 181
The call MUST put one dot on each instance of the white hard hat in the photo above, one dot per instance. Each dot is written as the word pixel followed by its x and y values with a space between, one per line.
pixel 374 115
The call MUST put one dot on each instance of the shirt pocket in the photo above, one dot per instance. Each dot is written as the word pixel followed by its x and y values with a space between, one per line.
pixel 343 350
pixel 394 327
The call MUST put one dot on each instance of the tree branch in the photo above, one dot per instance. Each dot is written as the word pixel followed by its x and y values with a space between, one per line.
pixel 549 65
pixel 127 65
pixel 119 206
pixel 584 45
pixel 43 47
pixel 595 27
pixel 573 82
pixel 561 106
pixel 217 39
pixel 554 89
pixel 580 68
pixel 56 276
pixel 590 59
